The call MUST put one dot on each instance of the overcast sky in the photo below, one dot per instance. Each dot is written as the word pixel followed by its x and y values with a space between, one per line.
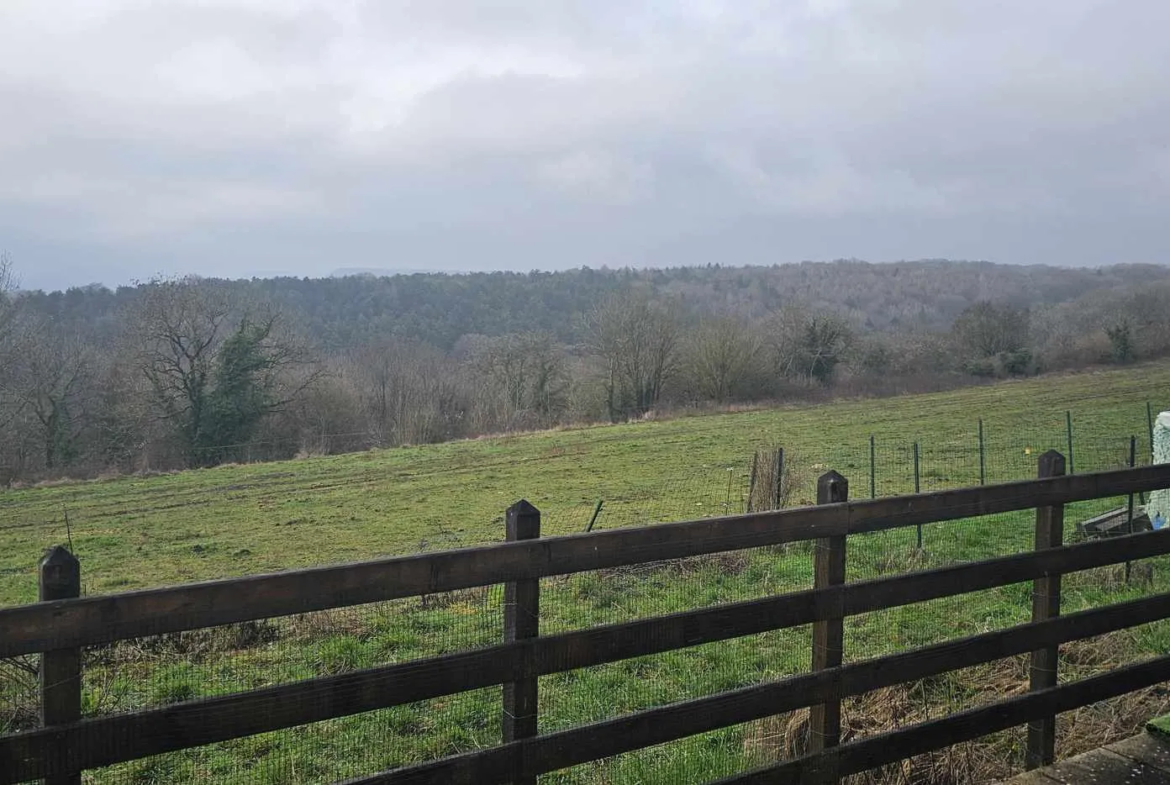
pixel 259 137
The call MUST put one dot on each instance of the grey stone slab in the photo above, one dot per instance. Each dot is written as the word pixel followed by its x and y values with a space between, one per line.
pixel 1104 767
pixel 1146 747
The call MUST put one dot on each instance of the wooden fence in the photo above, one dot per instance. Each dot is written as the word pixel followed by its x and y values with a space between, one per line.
pixel 63 623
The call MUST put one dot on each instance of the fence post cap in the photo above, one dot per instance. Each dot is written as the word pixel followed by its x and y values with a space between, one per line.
pixel 58 556
pixel 831 478
pixel 832 487
pixel 59 574
pixel 1052 463
pixel 523 507
pixel 522 521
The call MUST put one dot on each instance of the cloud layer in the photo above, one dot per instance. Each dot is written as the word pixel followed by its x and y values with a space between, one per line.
pixel 281 136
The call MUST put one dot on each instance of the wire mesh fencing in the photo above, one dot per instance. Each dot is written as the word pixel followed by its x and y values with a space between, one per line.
pixel 883 469
pixel 165 670
pixel 987 458
pixel 656 588
pixel 162 670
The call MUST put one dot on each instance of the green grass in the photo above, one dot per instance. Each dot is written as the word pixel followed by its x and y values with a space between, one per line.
pixel 146 531
pixel 1161 725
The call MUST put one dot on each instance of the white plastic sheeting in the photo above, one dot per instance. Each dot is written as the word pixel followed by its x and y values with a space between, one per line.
pixel 1159 507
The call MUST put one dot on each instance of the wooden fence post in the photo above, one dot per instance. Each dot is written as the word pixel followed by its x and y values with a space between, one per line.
pixel 60 579
pixel 521 621
pixel 828 636
pixel 1045 605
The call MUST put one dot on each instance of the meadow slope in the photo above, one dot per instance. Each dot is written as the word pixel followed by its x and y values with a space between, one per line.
pixel 145 531
pixel 141 531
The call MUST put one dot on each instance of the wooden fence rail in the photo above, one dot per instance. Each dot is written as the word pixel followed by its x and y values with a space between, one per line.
pixel 60 626
pixel 104 619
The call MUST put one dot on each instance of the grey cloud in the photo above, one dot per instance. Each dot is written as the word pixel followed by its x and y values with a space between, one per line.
pixel 262 136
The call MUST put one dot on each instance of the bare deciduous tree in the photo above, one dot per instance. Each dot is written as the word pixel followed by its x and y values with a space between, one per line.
pixel 57 391
pixel 986 329
pixel 13 345
pixel 807 345
pixel 215 370
pixel 180 328
pixel 521 378
pixel 721 354
pixel 411 392
pixel 638 343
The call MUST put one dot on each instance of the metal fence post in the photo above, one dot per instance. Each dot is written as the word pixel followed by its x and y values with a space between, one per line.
pixel 982 462
pixel 917 489
pixel 777 478
pixel 1150 428
pixel 60 579
pixel 1068 429
pixel 596 512
pixel 872 468
pixel 828 636
pixel 752 482
pixel 1129 511
pixel 1045 605
pixel 521 621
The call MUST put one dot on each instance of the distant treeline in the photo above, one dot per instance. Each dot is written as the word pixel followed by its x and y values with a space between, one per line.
pixel 195 372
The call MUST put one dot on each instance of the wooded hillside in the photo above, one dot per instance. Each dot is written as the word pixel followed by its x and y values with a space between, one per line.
pixel 195 372
pixel 439 309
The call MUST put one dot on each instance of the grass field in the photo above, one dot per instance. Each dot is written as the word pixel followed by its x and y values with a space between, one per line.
pixel 145 531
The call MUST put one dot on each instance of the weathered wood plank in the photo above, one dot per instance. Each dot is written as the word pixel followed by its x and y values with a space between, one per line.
pixel 104 619
pixel 963 726
pixel 103 741
pixel 547 753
